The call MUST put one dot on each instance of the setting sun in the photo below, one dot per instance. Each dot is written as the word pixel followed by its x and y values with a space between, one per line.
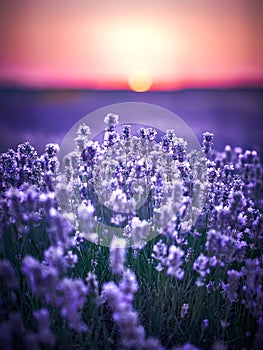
pixel 140 81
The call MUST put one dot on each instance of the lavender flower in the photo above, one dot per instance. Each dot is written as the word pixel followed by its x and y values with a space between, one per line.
pixel 151 134
pixel 54 258
pixel 74 294
pixel 142 133
pixel 252 289
pixel 139 231
pixel 90 152
pixel 184 310
pixel 60 231
pixel 44 334
pixel 92 284
pixel 207 142
pixel 179 149
pixel 174 262
pixel 82 137
pixel 11 330
pixel 126 131
pixel 120 300
pixel 201 266
pixel 221 246
pixel 43 280
pixel 85 215
pixel 52 150
pixel 50 160
pixel 9 171
pixel 233 281
pixel 205 323
pixel 140 187
pixel 111 120
pixel 117 255
pixel 159 254
pixel 71 259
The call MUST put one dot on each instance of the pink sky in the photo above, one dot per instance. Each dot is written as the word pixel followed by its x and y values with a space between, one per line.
pixel 100 44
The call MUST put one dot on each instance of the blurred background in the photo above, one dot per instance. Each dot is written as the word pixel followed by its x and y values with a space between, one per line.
pixel 62 59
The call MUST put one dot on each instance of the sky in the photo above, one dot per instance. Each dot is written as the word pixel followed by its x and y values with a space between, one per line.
pixel 139 44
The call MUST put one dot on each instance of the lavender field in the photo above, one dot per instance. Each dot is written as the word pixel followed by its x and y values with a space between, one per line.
pixel 177 267
pixel 40 117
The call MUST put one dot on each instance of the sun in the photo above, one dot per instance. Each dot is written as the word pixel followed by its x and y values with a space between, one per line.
pixel 140 81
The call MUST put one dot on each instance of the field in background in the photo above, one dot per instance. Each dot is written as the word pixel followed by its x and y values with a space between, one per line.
pixel 234 116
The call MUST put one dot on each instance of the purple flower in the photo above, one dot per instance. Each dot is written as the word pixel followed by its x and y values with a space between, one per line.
pixel 120 300
pixel 90 152
pixel 71 259
pixel 117 255
pixel 73 298
pixel 44 334
pixel 52 150
pixel 174 262
pixel 201 266
pixel 110 138
pixel 151 134
pixel 54 257
pixel 232 286
pixel 207 142
pixel 128 284
pixel 126 132
pixel 142 133
pixel 92 284
pixel 159 254
pixel 82 137
pixel 111 120
pixel 205 323
pixel 184 310
pixel 179 149
pixel 43 280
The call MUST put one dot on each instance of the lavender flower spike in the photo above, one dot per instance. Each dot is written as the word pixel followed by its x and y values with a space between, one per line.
pixel 117 255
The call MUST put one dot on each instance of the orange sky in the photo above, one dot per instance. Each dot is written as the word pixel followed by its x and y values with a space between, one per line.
pixel 102 44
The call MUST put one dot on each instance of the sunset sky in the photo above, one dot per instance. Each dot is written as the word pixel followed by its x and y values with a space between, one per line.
pixel 113 44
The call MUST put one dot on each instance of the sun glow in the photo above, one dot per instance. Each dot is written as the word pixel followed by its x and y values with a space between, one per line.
pixel 138 52
pixel 140 81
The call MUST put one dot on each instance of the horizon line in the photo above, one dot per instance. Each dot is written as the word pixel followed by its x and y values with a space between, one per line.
pixel 123 86
pixel 92 89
